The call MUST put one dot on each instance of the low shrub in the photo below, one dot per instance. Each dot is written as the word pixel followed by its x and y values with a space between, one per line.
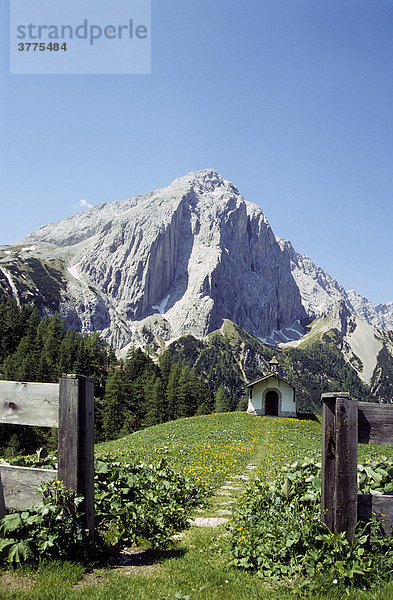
pixel 277 531
pixel 133 503
pixel 376 476
pixel 51 529
pixel 143 502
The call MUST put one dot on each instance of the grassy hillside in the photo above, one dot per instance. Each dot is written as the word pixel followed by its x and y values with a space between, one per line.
pixel 214 447
pixel 217 446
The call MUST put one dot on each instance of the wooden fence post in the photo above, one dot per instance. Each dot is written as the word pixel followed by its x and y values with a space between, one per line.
pixel 328 459
pixel 346 484
pixel 76 440
pixel 2 502
pixel 347 423
pixel 339 462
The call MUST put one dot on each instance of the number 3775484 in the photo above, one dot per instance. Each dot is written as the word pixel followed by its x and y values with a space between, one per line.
pixel 41 47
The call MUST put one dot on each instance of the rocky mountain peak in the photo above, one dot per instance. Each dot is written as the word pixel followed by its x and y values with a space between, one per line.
pixel 343 317
pixel 204 181
pixel 177 260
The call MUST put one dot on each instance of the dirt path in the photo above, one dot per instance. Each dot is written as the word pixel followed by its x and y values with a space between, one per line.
pixel 224 499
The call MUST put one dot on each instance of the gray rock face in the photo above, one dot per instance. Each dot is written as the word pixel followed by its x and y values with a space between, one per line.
pixel 380 315
pixel 175 261
pixel 320 292
pixel 191 254
pixel 359 342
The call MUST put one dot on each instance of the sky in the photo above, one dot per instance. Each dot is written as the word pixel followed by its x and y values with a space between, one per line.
pixel 291 100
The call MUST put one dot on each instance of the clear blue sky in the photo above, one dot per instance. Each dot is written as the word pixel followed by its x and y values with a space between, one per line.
pixel 292 100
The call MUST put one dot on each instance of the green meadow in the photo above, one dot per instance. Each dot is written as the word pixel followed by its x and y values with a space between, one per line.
pixel 211 450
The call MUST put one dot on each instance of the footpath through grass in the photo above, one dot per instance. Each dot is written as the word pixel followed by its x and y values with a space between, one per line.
pixel 208 448
pixel 212 449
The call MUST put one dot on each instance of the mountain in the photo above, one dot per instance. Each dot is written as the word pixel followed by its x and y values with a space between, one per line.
pixel 320 292
pixel 175 261
pixel 359 342
pixel 361 331
pixel 182 261
pixel 231 356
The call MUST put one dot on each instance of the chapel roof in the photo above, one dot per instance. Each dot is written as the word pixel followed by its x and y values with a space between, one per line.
pixel 271 374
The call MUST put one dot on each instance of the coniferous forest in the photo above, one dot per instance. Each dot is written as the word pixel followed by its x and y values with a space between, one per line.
pixel 129 394
pixel 192 377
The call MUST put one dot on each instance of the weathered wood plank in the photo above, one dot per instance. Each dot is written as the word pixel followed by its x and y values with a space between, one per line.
pixel 375 423
pixel 345 493
pixel 68 436
pixel 76 439
pixel 328 460
pixel 20 485
pixel 86 465
pixel 2 503
pixel 29 403
pixel 350 422
pixel 379 507
pixel 327 395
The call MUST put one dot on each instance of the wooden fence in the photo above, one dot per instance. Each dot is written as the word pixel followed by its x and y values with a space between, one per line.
pixel 68 405
pixel 347 422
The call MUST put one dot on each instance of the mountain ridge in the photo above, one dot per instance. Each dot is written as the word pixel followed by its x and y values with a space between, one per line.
pixel 176 261
pixel 320 292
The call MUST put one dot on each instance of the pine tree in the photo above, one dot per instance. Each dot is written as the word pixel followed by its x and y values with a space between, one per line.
pixel 13 325
pixel 222 402
pixel 68 352
pixel 243 403
pixel 54 336
pixel 155 402
pixel 185 405
pixel 24 362
pixel 137 363
pixel 137 402
pixel 82 366
pixel 165 363
pixel 13 447
pixel 113 406
pixel 201 395
pixel 172 391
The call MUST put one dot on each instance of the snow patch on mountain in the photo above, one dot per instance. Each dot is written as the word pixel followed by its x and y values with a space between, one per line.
pixel 11 282
pixel 285 335
pixel 74 272
pixel 161 307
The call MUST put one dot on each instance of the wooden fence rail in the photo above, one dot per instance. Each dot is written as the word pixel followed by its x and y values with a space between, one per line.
pixel 346 423
pixel 68 405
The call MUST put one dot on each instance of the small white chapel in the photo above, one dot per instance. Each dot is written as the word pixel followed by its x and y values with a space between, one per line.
pixel 272 394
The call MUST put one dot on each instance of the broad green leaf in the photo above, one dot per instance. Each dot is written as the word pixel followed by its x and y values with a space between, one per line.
pixel 12 522
pixel 20 552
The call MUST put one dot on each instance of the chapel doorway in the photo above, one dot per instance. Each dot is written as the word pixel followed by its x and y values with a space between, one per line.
pixel 271 403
